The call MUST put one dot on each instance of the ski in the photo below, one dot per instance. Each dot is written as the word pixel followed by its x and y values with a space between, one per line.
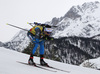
pixel 54 68
pixel 36 66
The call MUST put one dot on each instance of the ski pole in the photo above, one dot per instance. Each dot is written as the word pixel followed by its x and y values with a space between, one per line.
pixel 16 27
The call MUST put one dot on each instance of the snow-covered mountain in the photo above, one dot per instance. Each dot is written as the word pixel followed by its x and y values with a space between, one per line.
pixel 9 65
pixel 96 37
pixel 92 63
pixel 82 20
pixel 19 42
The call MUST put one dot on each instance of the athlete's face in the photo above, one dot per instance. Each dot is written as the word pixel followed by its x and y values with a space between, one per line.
pixel 47 31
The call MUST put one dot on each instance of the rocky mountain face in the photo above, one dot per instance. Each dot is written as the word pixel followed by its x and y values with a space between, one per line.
pixel 82 21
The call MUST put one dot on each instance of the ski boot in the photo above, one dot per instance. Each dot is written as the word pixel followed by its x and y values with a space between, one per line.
pixel 30 61
pixel 42 62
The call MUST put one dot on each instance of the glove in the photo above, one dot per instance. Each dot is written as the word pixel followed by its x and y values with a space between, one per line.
pixel 46 38
pixel 52 39
pixel 49 38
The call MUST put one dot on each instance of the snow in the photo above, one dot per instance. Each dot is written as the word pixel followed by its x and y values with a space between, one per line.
pixel 92 63
pixel 9 65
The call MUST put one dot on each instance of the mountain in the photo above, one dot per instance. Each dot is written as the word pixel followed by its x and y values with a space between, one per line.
pixel 9 65
pixel 82 21
pixel 19 42
pixel 96 37
pixel 92 63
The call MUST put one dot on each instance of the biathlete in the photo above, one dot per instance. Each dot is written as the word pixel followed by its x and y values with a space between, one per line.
pixel 38 34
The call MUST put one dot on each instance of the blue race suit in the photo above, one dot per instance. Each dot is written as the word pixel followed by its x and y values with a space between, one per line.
pixel 37 41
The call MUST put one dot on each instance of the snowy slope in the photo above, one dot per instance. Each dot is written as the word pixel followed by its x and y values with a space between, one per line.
pixel 8 65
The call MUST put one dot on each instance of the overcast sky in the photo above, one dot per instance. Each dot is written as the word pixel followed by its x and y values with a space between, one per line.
pixel 19 12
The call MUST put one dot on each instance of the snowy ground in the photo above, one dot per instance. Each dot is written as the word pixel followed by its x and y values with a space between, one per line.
pixel 8 65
